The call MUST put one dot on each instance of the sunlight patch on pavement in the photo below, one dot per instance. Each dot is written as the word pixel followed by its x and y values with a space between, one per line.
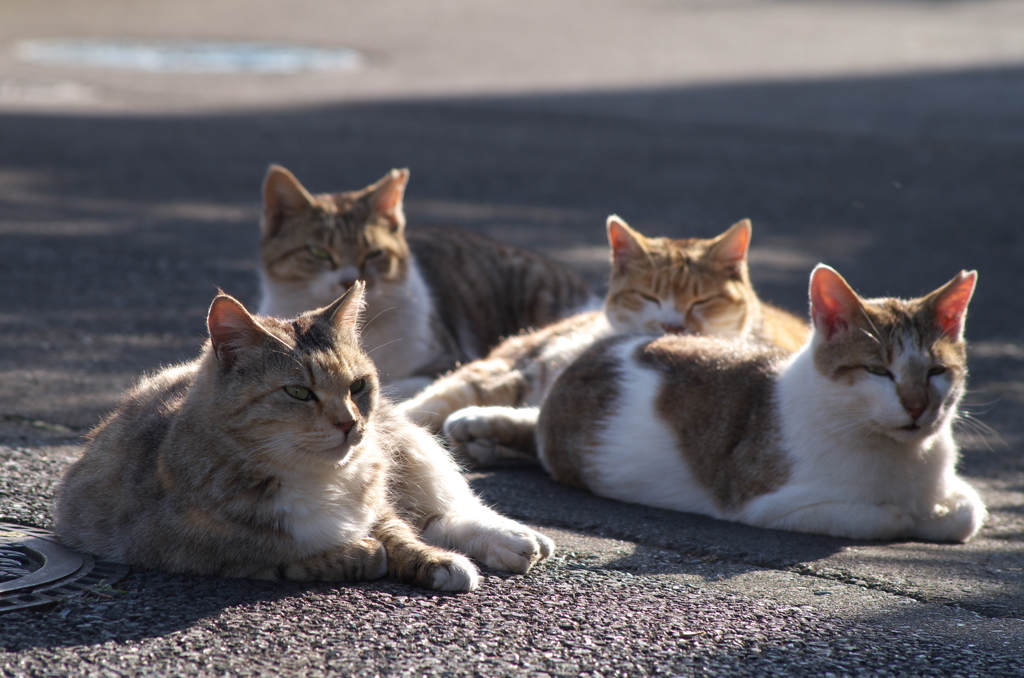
pixel 186 56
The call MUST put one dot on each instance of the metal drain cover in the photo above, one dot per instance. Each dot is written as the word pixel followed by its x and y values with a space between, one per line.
pixel 186 56
pixel 36 570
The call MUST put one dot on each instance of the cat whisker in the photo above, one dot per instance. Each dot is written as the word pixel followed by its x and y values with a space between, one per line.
pixel 977 432
pixel 386 343
pixel 379 314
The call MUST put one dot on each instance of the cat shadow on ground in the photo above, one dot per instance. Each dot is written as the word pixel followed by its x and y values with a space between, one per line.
pixel 152 604
pixel 984 575
pixel 539 500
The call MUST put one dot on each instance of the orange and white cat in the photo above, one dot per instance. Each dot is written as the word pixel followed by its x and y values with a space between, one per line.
pixel 488 408
pixel 435 297
pixel 851 436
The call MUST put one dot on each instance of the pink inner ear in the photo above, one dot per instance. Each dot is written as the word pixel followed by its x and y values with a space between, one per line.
pixel 734 246
pixel 833 303
pixel 951 305
pixel 231 327
pixel 282 193
pixel 388 198
pixel 621 241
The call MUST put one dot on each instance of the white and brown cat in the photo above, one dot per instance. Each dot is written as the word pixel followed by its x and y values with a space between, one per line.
pixel 488 408
pixel 435 297
pixel 851 436
pixel 274 456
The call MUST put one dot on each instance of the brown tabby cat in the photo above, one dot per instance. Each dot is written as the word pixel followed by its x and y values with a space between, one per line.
pixel 657 285
pixel 273 456
pixel 435 297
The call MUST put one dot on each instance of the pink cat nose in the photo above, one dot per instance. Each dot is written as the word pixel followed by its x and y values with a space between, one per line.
pixel 345 426
pixel 915 409
pixel 672 328
pixel 348 283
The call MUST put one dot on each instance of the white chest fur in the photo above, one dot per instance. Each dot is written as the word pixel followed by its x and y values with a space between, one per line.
pixel 397 331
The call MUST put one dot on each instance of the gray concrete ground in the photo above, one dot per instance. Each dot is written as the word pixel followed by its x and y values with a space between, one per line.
pixel 886 139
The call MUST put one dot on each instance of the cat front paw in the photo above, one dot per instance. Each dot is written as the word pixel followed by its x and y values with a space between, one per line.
pixel 485 435
pixel 470 431
pixel 956 520
pixel 895 524
pixel 514 548
pixel 456 573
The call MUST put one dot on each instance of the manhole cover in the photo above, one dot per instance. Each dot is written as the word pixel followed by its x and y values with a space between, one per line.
pixel 186 56
pixel 36 570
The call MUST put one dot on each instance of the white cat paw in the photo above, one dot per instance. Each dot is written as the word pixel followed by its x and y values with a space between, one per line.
pixel 470 433
pixel 514 548
pixel 897 523
pixel 957 522
pixel 457 574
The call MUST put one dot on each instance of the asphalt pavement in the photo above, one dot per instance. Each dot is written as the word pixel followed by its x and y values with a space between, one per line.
pixel 885 139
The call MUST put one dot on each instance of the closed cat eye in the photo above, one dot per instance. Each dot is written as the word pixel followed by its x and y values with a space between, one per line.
pixel 299 392
pixel 650 297
pixel 878 371
pixel 373 254
pixel 937 370
pixel 357 386
pixel 319 252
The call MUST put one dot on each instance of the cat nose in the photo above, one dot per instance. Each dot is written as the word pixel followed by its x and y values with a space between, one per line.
pixel 673 328
pixel 915 408
pixel 345 426
pixel 347 283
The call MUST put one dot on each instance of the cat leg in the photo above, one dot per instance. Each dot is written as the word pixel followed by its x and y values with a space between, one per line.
pixel 410 561
pixel 432 491
pixel 362 560
pixel 481 382
pixel 489 434
pixel 957 518
pixel 854 520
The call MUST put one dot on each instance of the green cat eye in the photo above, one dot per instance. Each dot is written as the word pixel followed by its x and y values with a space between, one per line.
pixel 357 386
pixel 299 392
pixel 878 371
pixel 319 252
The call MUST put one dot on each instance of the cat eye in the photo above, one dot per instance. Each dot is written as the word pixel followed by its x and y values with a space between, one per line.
pixel 357 386
pixel 878 371
pixel 650 298
pixel 373 254
pixel 299 392
pixel 937 370
pixel 319 252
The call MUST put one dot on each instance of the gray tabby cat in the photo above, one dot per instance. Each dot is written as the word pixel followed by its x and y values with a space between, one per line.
pixel 851 436
pixel 274 456
pixel 435 297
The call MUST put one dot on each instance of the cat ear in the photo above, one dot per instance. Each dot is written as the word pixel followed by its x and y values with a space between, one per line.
pixel 344 313
pixel 232 328
pixel 731 247
pixel 387 197
pixel 834 304
pixel 624 241
pixel 949 303
pixel 283 196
